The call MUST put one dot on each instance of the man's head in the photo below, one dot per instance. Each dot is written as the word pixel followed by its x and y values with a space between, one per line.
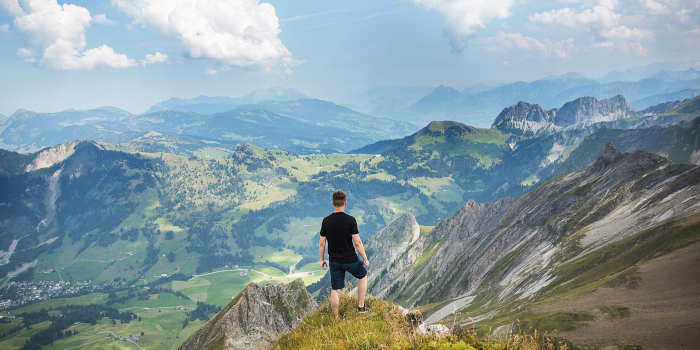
pixel 339 199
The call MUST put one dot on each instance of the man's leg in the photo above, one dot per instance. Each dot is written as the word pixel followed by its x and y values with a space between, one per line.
pixel 335 303
pixel 361 291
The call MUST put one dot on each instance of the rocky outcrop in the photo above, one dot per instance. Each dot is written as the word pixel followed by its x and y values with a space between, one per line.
pixel 588 110
pixel 254 318
pixel 523 117
pixel 388 248
pixel 52 155
pixel 529 119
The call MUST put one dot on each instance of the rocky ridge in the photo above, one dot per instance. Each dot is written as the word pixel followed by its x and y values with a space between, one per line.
pixel 254 318
pixel 510 249
pixel 526 118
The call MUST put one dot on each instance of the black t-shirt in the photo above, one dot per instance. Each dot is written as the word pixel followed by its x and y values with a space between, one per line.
pixel 338 229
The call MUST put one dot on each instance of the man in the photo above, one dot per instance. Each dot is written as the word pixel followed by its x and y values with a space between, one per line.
pixel 340 230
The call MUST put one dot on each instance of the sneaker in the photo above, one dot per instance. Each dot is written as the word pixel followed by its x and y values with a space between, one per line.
pixel 362 309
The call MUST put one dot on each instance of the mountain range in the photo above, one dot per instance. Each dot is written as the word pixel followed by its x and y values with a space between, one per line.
pixel 477 105
pixel 171 210
pixel 245 198
pixel 219 104
pixel 300 126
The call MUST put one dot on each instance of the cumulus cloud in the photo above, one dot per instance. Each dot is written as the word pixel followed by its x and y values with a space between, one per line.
pixel 604 21
pixel 56 35
pixel 545 47
pixel 462 18
pixel 235 33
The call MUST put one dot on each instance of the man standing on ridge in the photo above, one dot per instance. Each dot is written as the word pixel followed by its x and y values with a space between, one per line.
pixel 340 230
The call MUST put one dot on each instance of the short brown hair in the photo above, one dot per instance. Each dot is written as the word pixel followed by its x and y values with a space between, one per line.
pixel 338 198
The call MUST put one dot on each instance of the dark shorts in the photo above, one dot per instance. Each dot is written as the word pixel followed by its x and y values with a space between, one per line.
pixel 356 269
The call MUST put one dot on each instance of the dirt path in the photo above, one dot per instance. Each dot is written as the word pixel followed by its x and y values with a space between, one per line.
pixel 665 307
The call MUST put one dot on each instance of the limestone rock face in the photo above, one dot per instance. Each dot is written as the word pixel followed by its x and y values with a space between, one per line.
pixel 255 317
pixel 526 118
pixel 588 110
pixel 387 248
pixel 523 117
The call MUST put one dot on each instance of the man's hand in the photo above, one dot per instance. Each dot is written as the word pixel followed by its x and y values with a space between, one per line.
pixel 323 264
pixel 366 263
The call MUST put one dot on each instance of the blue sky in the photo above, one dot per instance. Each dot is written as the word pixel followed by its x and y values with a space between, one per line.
pixel 133 53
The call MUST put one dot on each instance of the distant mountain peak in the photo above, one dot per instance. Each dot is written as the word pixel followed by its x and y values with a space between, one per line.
pixel 444 125
pixel 22 113
pixel 588 110
pixel 526 118
pixel 523 117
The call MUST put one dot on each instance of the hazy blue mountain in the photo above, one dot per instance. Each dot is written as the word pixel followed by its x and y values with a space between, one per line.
pixel 662 107
pixel 642 72
pixel 4 120
pixel 631 90
pixel 649 101
pixel 305 127
pixel 29 131
pixel 387 101
pixel 250 124
pixel 671 75
pixel 478 108
pixel 216 104
pixel 326 113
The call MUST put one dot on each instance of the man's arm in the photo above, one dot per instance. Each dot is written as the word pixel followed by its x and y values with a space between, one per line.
pixel 322 251
pixel 360 248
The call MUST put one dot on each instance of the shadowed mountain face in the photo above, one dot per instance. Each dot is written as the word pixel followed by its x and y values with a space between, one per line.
pixel 254 318
pixel 572 234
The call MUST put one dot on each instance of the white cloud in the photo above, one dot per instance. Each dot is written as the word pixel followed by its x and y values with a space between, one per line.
pixel 545 47
pixel 4 27
pixel 464 17
pixel 56 35
pixel 157 57
pixel 26 53
pixel 654 6
pixel 601 19
pixel 235 33
pixel 101 18
pixel 602 14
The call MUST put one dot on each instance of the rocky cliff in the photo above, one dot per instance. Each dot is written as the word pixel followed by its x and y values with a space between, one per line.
pixel 254 318
pixel 523 117
pixel 589 110
pixel 529 119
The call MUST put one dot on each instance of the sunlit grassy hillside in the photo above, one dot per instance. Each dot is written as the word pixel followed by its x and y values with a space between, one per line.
pixel 385 327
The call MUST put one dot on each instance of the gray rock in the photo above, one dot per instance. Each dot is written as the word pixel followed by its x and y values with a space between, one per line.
pixel 254 318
